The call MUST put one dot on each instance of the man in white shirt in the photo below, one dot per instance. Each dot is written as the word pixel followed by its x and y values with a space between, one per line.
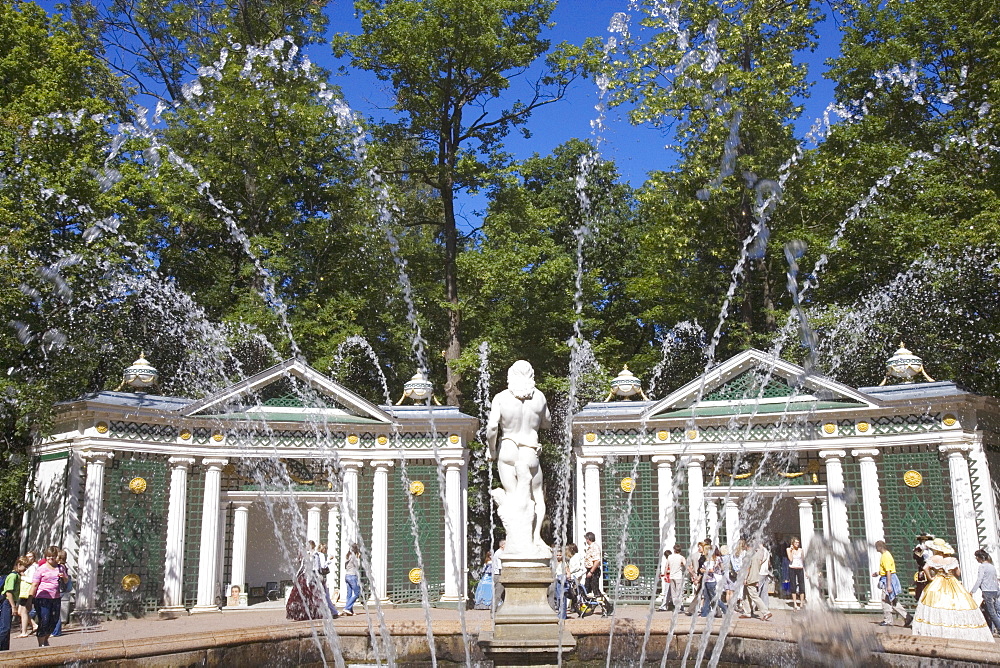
pixel 674 572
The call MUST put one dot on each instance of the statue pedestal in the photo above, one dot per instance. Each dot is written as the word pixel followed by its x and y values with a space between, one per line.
pixel 525 629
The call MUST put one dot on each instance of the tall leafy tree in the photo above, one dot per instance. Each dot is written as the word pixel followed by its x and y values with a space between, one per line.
pixel 724 79
pixel 450 63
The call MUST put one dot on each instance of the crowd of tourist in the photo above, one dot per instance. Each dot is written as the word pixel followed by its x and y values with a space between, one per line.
pixel 718 577
pixel 32 592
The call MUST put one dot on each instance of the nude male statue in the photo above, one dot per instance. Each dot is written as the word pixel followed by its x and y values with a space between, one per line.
pixel 516 415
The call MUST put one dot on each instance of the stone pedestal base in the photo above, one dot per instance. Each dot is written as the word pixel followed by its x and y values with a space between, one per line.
pixel 172 612
pixel 525 629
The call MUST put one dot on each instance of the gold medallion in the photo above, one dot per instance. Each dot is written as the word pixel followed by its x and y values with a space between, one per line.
pixel 628 484
pixel 913 478
pixel 631 572
pixel 137 485
pixel 131 582
pixel 416 575
pixel 416 488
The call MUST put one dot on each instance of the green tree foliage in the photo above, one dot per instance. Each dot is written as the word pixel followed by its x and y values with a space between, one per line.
pixel 448 62
pixel 724 77
pixel 54 105
pixel 158 46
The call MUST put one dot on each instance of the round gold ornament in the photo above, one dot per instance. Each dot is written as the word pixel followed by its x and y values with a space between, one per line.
pixel 131 582
pixel 950 420
pixel 416 488
pixel 863 427
pixel 913 478
pixel 829 428
pixel 382 440
pixel 185 434
pixel 628 484
pixel 217 437
pixel 591 437
pixel 416 575
pixel 692 434
pixel 102 427
pixel 631 572
pixel 454 438
pixel 137 485
pixel 662 435
pixel 353 439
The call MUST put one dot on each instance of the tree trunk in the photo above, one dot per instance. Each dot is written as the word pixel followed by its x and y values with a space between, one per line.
pixel 453 393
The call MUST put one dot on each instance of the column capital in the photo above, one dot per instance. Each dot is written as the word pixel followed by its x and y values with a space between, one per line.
pixel 381 464
pixel 452 464
pixel 181 462
pixel 688 460
pixel 214 462
pixel 352 464
pixel 242 506
pixel 591 462
pixel 832 454
pixel 731 502
pixel 866 453
pixel 955 449
pixel 805 501
pixel 96 456
pixel 664 461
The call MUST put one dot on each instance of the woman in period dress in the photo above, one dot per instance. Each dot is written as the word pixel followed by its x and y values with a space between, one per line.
pixel 946 609
pixel 484 590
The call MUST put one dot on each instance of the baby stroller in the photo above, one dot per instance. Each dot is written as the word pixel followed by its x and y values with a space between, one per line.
pixel 588 603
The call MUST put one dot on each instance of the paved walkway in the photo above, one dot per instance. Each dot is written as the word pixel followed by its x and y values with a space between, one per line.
pixel 786 624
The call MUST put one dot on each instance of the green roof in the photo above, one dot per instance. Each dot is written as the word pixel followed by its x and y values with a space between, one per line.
pixel 750 408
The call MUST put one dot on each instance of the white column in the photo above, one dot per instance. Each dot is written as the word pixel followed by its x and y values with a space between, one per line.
pixel 592 495
pixel 380 530
pixel 173 573
pixel 90 536
pixel 871 500
pixel 348 514
pixel 333 545
pixel 966 533
pixel 696 496
pixel 980 467
pixel 208 558
pixel 665 501
pixel 806 530
pixel 824 506
pixel 314 512
pixel 580 510
pixel 732 522
pixel 712 506
pixel 241 515
pixel 843 578
pixel 454 528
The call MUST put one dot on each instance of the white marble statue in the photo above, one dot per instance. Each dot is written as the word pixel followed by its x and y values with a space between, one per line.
pixel 516 415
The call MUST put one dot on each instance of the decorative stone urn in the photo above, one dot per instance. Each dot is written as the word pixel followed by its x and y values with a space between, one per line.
pixel 141 375
pixel 905 367
pixel 626 385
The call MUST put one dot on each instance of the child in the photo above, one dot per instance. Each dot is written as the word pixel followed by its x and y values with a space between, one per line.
pixel 8 602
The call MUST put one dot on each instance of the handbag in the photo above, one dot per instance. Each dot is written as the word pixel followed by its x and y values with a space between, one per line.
pixel 325 570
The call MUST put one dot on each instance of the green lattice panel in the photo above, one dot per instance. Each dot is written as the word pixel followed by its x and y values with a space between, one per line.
pixel 856 525
pixel 192 533
pixel 682 515
pixel 137 431
pixel 429 515
pixel 630 529
pixel 911 510
pixel 133 535
pixel 747 385
pixel 906 424
pixel 366 484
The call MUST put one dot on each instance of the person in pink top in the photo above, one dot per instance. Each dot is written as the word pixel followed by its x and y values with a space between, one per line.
pixel 46 591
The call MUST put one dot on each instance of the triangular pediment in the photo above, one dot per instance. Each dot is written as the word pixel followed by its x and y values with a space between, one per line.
pixel 755 378
pixel 292 390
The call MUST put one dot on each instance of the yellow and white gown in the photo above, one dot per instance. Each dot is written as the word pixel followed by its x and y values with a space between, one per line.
pixel 946 609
